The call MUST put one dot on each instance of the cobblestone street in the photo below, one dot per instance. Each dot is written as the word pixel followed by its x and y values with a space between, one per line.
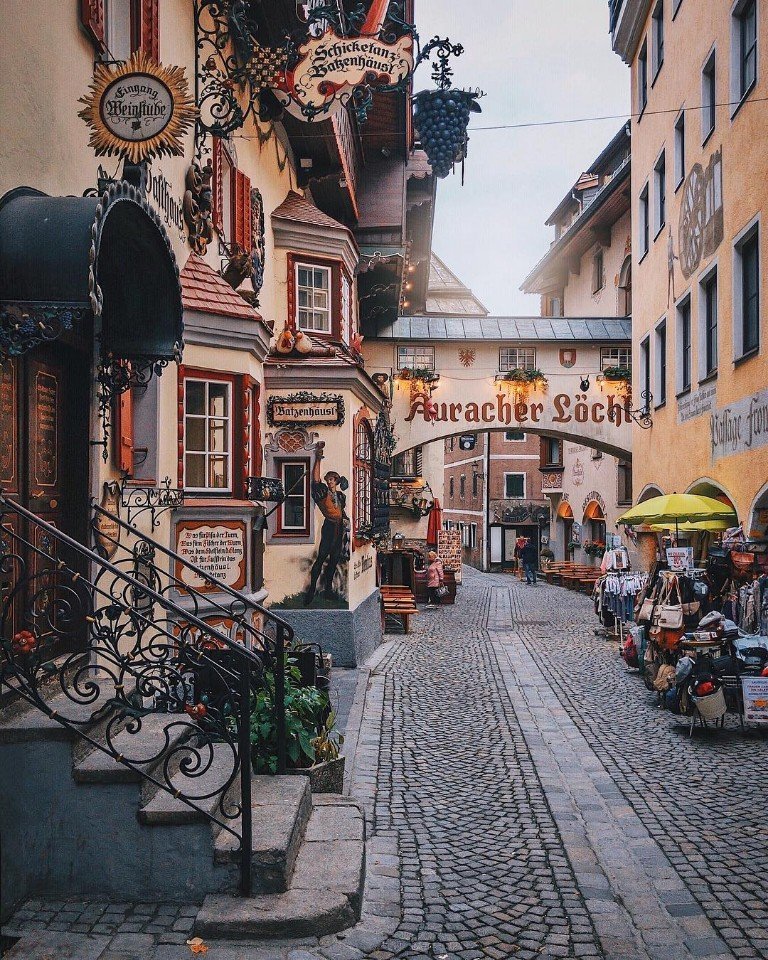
pixel 525 798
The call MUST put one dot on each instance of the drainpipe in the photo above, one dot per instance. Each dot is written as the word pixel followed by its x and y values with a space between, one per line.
pixel 486 505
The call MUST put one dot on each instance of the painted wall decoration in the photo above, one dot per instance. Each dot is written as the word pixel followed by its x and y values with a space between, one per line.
pixel 700 230
pixel 567 358
pixel 306 410
pixel 217 547
pixel 467 357
pixel 138 109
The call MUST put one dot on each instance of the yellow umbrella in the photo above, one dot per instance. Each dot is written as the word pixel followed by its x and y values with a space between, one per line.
pixel 698 526
pixel 677 508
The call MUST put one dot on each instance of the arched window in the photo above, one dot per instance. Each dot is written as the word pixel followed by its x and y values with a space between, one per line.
pixel 625 287
pixel 363 478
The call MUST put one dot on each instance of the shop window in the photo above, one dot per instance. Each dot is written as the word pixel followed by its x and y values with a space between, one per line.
pixel 680 149
pixel 514 486
pixel 598 272
pixel 644 222
pixel 517 358
pixel 208 436
pixel 658 37
pixel 416 358
pixel 120 27
pixel 661 364
pixel 294 510
pixel 615 357
pixel 624 477
pixel 708 311
pixel 468 535
pixel 708 97
pixel 743 50
pixel 684 345
pixel 363 476
pixel 642 77
pixel 313 298
pixel 747 293
pixel 660 184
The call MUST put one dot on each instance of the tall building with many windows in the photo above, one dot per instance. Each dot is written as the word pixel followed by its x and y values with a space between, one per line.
pixel 699 194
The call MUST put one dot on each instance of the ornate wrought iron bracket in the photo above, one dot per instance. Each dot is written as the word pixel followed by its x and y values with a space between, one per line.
pixel 642 416
pixel 264 489
pixel 156 500
pixel 443 50
pixel 24 325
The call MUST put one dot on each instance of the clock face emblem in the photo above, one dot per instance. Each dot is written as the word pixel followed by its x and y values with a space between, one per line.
pixel 692 221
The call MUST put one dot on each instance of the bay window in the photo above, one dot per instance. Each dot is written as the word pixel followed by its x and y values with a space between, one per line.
pixel 313 298
pixel 207 435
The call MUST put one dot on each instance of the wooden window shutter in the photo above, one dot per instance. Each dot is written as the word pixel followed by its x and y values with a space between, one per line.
pixel 242 226
pixel 218 197
pixel 149 37
pixel 92 18
pixel 124 433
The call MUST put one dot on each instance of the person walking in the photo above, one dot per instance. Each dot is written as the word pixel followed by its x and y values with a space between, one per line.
pixel 435 577
pixel 529 556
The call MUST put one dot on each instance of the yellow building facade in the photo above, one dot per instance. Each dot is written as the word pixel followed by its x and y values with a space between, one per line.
pixel 699 246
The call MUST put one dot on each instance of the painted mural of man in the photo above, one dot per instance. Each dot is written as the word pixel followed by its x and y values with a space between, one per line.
pixel 331 501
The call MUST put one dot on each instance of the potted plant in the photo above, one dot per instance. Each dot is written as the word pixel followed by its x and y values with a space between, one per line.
pixel 547 555
pixel 312 745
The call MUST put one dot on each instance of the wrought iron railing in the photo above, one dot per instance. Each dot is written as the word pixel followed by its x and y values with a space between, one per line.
pixel 120 639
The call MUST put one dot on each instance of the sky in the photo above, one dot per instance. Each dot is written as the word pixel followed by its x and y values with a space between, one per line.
pixel 536 60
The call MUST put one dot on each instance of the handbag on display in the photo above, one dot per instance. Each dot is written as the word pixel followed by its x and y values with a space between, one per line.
pixel 671 612
pixel 665 678
pixel 742 560
pixel 442 591
pixel 718 558
pixel 645 612
pixel 669 638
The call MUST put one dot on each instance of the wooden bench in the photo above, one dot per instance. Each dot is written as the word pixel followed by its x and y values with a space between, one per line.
pixel 397 602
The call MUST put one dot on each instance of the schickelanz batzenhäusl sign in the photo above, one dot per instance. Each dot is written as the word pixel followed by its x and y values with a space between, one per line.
pixel 741 426
pixel 305 410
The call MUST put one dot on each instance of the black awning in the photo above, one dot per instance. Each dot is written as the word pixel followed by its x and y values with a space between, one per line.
pixel 64 258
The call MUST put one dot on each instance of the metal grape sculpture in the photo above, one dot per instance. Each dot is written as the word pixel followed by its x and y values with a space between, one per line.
pixel 441 116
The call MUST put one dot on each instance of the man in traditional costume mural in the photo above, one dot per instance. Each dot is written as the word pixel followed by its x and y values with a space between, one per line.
pixel 331 501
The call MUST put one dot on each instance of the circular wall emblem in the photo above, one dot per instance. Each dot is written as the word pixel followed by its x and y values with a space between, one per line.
pixel 136 107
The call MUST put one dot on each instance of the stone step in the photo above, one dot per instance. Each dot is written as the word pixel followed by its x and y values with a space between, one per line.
pixel 145 748
pixel 165 809
pixel 280 810
pixel 325 893
pixel 30 722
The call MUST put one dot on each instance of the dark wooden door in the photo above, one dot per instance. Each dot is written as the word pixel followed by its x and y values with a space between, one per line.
pixel 44 460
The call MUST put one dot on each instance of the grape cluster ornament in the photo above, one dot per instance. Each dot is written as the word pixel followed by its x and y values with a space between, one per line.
pixel 441 116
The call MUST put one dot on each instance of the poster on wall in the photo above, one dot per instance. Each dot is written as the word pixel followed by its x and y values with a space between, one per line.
pixel 755 690
pixel 680 558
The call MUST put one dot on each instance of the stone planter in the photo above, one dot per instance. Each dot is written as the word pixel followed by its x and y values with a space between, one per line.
pixel 327 777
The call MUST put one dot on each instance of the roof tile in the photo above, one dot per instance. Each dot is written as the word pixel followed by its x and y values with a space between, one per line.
pixel 204 290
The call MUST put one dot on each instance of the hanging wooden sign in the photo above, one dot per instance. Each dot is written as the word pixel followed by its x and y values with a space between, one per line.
pixel 138 109
pixel 106 528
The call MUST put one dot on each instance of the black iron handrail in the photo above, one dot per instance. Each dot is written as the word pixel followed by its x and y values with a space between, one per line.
pixel 273 646
pixel 144 654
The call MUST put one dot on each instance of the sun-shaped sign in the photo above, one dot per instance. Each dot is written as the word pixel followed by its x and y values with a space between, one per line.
pixel 138 109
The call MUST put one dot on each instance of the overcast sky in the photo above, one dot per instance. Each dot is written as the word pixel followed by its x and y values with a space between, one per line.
pixel 537 60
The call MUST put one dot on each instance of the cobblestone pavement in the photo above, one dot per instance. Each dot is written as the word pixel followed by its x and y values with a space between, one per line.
pixel 526 798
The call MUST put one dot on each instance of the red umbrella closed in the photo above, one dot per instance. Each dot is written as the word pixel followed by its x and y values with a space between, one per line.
pixel 435 523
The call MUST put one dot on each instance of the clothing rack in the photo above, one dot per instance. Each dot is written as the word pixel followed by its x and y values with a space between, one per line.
pixel 622 588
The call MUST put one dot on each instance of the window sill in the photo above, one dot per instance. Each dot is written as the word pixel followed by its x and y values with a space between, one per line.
pixel 683 393
pixel 659 231
pixel 744 97
pixel 660 406
pixel 645 254
pixel 679 183
pixel 197 499
pixel 712 375
pixel 656 74
pixel 746 356
pixel 707 137
pixel 641 112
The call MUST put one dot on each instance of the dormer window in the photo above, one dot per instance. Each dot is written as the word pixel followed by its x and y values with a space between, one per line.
pixel 313 298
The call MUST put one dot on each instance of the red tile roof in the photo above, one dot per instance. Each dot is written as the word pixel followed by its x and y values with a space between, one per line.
pixel 330 353
pixel 205 290
pixel 296 207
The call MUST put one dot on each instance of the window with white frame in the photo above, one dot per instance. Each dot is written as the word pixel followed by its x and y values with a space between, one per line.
pixel 416 358
pixel 642 77
pixel 644 222
pixel 598 272
pixel 313 298
pixel 660 192
pixel 517 358
pixel 514 486
pixel 680 149
pixel 514 436
pixel 708 311
pixel 615 357
pixel 744 59
pixel 645 371
pixel 294 510
pixel 684 345
pixel 658 37
pixel 660 351
pixel 708 96
pixel 746 293
pixel 347 324
pixel 207 435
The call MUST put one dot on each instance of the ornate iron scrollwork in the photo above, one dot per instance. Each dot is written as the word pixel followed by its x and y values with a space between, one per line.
pixel 156 500
pixel 265 489
pixel 24 325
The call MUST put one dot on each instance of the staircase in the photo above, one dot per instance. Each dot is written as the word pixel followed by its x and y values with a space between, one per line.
pixel 126 676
